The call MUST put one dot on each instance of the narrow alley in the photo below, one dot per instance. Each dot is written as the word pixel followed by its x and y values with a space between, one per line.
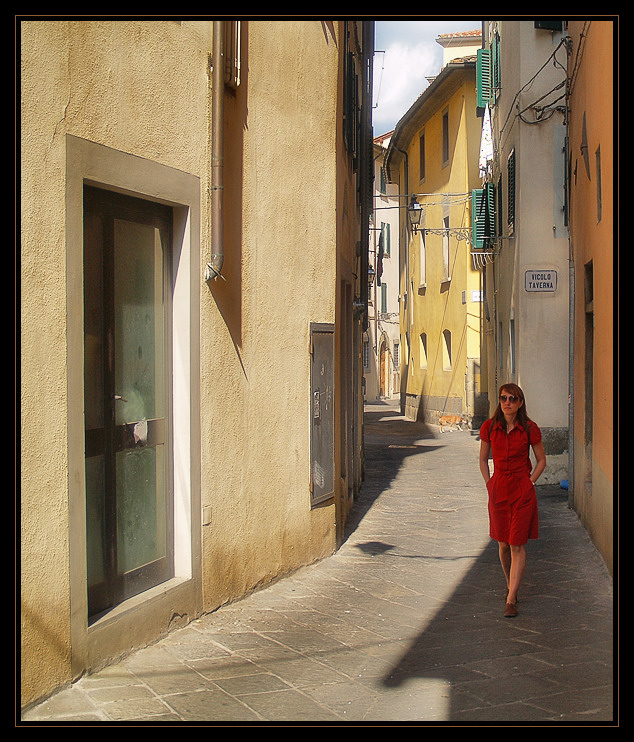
pixel 403 624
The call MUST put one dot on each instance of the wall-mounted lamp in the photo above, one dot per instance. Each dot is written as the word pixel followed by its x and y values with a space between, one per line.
pixel 371 274
pixel 414 213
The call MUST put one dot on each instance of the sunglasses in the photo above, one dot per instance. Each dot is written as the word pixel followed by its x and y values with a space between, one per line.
pixel 511 398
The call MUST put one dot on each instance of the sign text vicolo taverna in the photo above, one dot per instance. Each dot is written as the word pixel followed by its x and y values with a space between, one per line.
pixel 540 280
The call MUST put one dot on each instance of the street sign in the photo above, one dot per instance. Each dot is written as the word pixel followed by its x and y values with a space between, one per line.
pixel 540 280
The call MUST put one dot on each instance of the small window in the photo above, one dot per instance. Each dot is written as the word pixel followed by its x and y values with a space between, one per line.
pixel 488 75
pixel 422 268
pixel 386 235
pixel 446 274
pixel 446 350
pixel 483 216
pixel 550 25
pixel 423 350
pixel 483 79
pixel 499 214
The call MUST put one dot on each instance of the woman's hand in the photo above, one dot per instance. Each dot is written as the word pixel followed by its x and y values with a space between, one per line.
pixel 540 457
pixel 485 448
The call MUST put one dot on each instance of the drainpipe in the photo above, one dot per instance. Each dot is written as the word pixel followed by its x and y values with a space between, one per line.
pixel 214 267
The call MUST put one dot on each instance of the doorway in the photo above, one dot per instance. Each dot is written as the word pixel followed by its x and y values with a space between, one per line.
pixel 127 393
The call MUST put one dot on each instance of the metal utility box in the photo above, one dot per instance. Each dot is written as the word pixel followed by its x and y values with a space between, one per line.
pixel 322 464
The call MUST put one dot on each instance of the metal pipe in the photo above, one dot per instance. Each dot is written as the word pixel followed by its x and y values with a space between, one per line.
pixel 214 267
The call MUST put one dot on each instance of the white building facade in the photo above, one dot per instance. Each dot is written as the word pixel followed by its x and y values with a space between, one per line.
pixel 521 79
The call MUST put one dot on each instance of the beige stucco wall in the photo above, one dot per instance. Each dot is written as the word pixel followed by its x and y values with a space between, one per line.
pixel 254 399
pixel 103 82
pixel 142 90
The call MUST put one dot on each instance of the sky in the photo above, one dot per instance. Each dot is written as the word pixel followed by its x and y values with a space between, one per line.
pixel 410 54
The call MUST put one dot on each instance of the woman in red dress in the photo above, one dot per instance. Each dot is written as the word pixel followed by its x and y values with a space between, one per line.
pixel 508 436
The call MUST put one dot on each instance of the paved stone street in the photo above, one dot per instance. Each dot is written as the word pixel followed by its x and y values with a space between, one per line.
pixel 403 624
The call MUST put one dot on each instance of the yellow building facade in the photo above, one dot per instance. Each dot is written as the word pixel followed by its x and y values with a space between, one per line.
pixel 191 320
pixel 434 156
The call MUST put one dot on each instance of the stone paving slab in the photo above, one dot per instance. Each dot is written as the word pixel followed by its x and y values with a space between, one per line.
pixel 404 624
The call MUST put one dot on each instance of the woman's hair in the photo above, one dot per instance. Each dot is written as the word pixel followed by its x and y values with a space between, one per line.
pixel 522 415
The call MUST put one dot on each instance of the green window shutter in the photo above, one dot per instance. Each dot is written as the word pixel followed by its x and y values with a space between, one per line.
pixel 483 77
pixel 498 208
pixel 383 298
pixel 483 216
pixel 510 176
pixel 477 218
pixel 489 192
pixel 496 70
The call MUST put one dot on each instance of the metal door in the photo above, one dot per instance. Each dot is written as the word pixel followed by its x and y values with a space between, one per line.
pixel 322 345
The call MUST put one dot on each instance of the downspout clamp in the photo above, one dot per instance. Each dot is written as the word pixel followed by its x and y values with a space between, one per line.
pixel 214 267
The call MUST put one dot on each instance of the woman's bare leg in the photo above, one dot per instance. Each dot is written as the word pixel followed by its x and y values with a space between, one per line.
pixel 518 564
pixel 504 551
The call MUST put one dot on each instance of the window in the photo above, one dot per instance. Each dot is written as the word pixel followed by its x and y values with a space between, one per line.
pixel 483 216
pixel 510 201
pixel 422 279
pixel 423 350
pixel 383 298
pixel 498 209
pixel 549 25
pixel 386 236
pixel 496 69
pixel 397 355
pixel 446 275
pixel 488 75
pixel 483 79
pixel 366 354
pixel 351 103
pixel 446 350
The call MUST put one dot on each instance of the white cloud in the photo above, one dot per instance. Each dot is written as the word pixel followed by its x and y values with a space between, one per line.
pixel 410 54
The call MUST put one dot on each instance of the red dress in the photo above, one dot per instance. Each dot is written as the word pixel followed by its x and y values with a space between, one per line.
pixel 512 499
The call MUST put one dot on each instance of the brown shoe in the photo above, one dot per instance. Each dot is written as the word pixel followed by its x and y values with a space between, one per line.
pixel 510 610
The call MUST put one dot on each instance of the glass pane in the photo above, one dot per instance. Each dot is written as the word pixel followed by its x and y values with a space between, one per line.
pixel 95 520
pixel 93 323
pixel 138 322
pixel 141 507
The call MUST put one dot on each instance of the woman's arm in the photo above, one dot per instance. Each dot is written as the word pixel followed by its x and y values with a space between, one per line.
pixel 485 447
pixel 540 457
